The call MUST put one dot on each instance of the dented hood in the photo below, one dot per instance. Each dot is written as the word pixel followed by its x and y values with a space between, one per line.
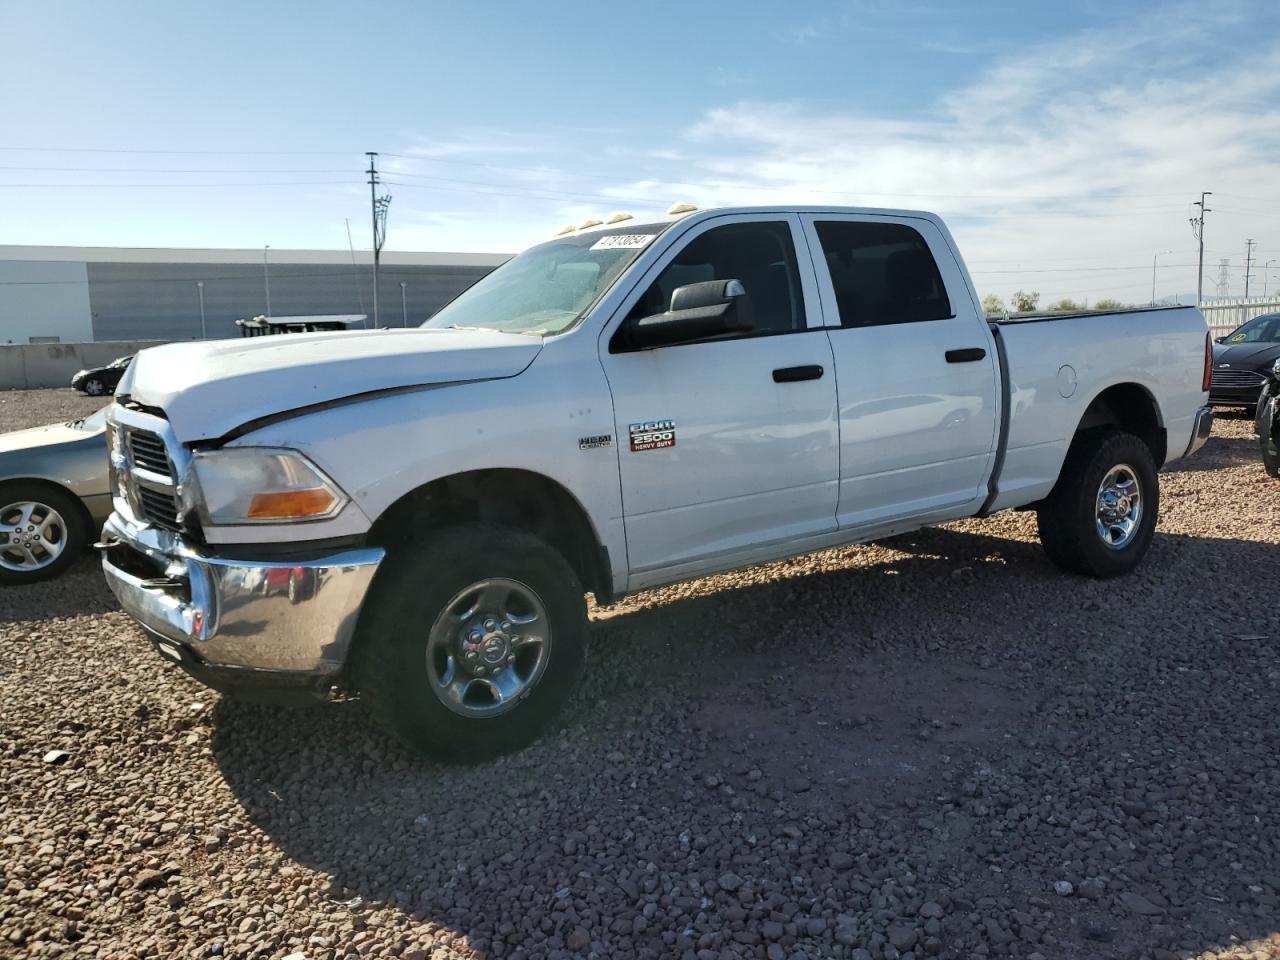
pixel 208 388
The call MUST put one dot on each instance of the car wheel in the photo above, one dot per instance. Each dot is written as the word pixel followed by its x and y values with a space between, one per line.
pixel 94 387
pixel 472 641
pixel 1101 515
pixel 42 532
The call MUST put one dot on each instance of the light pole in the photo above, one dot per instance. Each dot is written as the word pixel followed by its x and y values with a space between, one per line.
pixel 204 334
pixel 404 306
pixel 1153 274
pixel 266 277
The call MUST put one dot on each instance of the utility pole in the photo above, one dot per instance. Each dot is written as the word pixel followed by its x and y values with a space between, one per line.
pixel 379 207
pixel 1197 228
pixel 1248 263
pixel 204 334
pixel 266 277
pixel 1154 257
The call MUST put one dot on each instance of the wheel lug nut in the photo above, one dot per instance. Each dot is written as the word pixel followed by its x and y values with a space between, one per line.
pixel 511 659
pixel 481 671
pixel 489 624
pixel 506 626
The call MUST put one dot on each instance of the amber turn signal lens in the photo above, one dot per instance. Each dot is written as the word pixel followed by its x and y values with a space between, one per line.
pixel 291 504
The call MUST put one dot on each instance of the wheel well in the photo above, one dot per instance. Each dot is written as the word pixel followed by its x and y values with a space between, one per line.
pixel 59 488
pixel 1131 408
pixel 513 498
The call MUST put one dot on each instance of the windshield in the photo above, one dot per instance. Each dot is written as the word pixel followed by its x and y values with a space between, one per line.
pixel 1258 330
pixel 548 288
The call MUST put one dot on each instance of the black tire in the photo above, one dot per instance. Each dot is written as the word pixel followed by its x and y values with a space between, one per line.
pixel 414 587
pixel 73 533
pixel 1068 516
pixel 94 387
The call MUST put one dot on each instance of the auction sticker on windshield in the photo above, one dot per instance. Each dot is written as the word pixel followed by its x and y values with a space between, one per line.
pixel 622 241
pixel 652 435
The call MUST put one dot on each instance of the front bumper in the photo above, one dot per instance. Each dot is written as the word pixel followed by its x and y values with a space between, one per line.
pixel 237 624
pixel 1200 430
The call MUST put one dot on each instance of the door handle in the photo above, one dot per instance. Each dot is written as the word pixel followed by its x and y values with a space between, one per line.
pixel 795 374
pixel 967 355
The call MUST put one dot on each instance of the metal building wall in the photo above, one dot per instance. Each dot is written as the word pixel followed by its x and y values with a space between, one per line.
pixel 144 301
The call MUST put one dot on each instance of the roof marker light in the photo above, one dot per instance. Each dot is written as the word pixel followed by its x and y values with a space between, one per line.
pixel 590 222
pixel 678 208
pixel 618 217
pixel 567 228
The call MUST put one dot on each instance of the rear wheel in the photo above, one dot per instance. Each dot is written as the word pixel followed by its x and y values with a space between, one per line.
pixel 472 641
pixel 94 387
pixel 42 532
pixel 1100 517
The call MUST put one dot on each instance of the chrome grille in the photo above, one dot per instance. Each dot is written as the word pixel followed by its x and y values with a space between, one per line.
pixel 1237 379
pixel 148 452
pixel 152 489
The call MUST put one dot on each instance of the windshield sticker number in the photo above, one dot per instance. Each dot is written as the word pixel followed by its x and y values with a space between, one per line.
pixel 652 435
pixel 623 241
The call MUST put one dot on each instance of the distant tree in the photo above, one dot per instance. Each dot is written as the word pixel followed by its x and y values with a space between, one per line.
pixel 992 305
pixel 1025 302
pixel 1109 303
pixel 1065 305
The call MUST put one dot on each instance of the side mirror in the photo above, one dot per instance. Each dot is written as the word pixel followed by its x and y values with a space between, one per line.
pixel 698 311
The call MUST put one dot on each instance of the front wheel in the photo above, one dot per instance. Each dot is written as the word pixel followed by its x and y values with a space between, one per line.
pixel 472 641
pixel 1101 515
pixel 42 532
pixel 94 387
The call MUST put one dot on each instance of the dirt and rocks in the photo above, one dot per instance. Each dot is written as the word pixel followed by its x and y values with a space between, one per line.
pixel 938 746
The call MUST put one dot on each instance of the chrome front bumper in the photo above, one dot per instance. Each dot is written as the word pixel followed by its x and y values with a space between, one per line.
pixel 1200 430
pixel 293 618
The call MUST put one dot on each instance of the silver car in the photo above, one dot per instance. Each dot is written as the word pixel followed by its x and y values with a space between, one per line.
pixel 54 496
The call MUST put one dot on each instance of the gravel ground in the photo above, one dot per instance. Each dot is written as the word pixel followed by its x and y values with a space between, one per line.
pixel 935 746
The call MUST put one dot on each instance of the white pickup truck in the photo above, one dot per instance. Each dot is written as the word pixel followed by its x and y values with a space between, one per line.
pixel 416 515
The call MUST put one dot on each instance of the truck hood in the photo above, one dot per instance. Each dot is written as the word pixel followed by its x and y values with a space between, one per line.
pixel 207 389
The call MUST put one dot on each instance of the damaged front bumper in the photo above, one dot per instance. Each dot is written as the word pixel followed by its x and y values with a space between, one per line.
pixel 270 629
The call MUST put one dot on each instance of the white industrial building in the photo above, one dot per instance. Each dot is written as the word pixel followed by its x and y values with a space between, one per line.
pixel 79 294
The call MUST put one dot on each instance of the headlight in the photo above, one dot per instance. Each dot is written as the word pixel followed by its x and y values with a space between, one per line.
pixel 238 485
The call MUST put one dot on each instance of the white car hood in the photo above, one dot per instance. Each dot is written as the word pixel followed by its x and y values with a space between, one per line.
pixel 208 388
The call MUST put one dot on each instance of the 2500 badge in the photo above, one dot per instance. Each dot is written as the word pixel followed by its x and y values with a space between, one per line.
pixel 652 435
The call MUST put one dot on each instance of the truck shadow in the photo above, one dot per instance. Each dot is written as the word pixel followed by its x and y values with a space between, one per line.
pixel 1220 452
pixel 898 698
pixel 80 592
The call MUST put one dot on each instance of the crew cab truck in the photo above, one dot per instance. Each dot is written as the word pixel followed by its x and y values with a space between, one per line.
pixel 627 405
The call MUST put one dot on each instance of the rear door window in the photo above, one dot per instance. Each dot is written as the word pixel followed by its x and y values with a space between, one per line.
pixel 882 273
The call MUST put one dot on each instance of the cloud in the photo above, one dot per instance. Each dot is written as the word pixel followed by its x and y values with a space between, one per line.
pixel 1089 147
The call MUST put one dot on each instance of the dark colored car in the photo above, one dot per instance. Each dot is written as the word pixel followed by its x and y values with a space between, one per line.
pixel 99 381
pixel 1241 360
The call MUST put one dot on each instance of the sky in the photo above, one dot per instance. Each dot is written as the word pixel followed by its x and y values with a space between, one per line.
pixel 1064 143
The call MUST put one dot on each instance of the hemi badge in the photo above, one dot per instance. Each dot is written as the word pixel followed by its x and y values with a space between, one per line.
pixel 590 443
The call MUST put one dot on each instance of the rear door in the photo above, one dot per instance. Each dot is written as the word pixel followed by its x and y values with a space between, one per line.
pixel 728 444
pixel 916 369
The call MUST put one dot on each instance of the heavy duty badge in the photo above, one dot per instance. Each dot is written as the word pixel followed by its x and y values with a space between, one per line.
pixel 652 435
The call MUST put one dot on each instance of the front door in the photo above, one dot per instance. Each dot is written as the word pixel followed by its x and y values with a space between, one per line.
pixel 728 444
